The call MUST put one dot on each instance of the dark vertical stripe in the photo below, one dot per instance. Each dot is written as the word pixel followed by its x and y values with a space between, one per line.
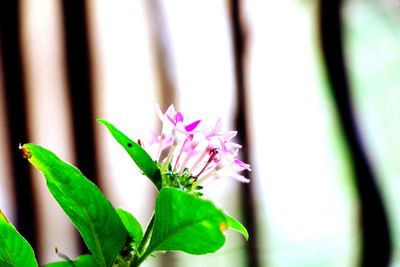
pixel 164 68
pixel 239 54
pixel 79 80
pixel 376 247
pixel 16 127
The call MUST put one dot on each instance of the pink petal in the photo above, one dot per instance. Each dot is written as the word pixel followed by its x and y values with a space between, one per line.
pixel 240 178
pixel 171 110
pixel 229 135
pixel 242 165
pixel 170 119
pixel 159 112
pixel 179 117
pixel 192 126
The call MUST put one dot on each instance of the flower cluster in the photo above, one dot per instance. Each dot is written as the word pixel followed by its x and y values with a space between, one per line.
pixel 188 155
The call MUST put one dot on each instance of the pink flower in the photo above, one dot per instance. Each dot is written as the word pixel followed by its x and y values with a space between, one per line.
pixel 176 119
pixel 185 152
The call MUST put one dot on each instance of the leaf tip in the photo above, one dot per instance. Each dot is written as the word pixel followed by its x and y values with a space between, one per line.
pixel 246 235
pixel 105 123
pixel 236 226
pixel 26 154
pixel 3 216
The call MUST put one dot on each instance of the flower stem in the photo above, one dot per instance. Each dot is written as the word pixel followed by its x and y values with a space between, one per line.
pixel 142 258
pixel 140 255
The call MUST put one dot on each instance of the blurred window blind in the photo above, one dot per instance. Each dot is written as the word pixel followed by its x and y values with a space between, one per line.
pixel 66 63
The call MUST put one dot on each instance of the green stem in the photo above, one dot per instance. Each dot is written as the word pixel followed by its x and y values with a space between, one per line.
pixel 139 257
pixel 142 258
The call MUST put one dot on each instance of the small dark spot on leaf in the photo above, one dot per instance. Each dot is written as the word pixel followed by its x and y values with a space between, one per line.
pixel 129 145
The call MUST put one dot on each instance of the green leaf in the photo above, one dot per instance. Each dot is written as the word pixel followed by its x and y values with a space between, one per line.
pixel 237 226
pixel 187 223
pixel 131 225
pixel 89 210
pixel 81 261
pixel 5 264
pixel 15 251
pixel 137 153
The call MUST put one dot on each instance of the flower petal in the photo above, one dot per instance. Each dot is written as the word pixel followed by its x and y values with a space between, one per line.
pixel 242 165
pixel 240 178
pixel 178 117
pixel 192 126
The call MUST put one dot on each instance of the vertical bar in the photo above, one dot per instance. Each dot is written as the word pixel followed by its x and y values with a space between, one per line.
pixel 239 43
pixel 78 67
pixel 376 243
pixel 79 81
pixel 16 119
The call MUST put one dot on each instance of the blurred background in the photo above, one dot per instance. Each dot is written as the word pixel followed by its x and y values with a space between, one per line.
pixel 312 87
